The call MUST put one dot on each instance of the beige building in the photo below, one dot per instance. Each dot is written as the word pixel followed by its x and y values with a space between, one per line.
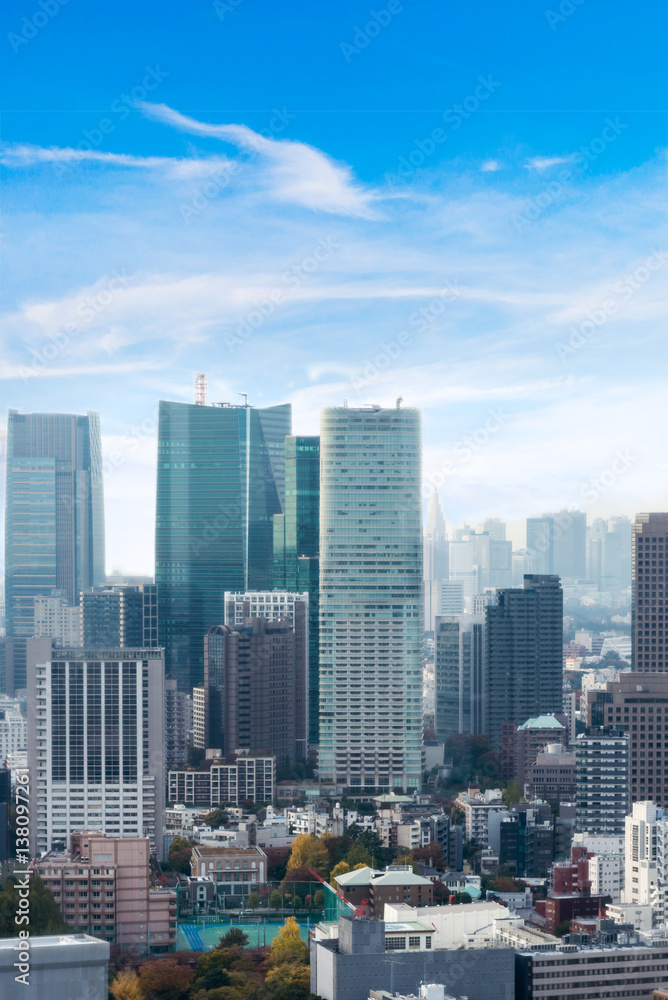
pixel 238 870
pixel 103 887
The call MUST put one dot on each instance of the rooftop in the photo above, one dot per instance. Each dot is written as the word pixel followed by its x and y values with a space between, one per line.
pixel 541 722
pixel 216 852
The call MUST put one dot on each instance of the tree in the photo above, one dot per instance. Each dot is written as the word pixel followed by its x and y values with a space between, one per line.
pixel 288 946
pixel 407 859
pixel 275 900
pixel 253 900
pixel 433 854
pixel 319 899
pixel 126 986
pixel 165 979
pixel 288 982
pixel 341 869
pixel 180 852
pixel 45 916
pixel 235 936
pixel 216 818
pixel 359 855
pixel 309 852
pixel 563 928
pixel 512 793
pixel 460 897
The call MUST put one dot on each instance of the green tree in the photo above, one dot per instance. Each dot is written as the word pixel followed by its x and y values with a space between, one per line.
pixel 287 946
pixel 512 793
pixel 359 855
pixel 216 818
pixel 460 897
pixel 180 852
pixel 45 916
pixel 165 979
pixel 275 900
pixel 126 986
pixel 309 852
pixel 562 928
pixel 319 899
pixel 235 936
pixel 253 900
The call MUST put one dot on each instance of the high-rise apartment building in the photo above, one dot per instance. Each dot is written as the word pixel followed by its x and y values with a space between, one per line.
pixel 178 724
pixel 650 593
pixel 371 603
pixel 602 781
pixel 250 674
pixel 523 654
pixel 297 550
pixel 435 561
pixel 459 678
pixel 54 617
pixel 221 479
pixel 124 616
pixel 96 751
pixel 293 609
pixel 54 517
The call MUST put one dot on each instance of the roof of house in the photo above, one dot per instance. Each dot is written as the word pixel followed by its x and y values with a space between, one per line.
pixel 361 876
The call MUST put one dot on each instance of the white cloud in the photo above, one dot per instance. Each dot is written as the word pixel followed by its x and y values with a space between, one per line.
pixel 544 162
pixel 490 166
pixel 26 155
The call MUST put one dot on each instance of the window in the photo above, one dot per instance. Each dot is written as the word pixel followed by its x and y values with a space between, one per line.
pixel 414 941
pixel 395 943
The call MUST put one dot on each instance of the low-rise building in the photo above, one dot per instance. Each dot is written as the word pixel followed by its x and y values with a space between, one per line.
pixel 58 966
pixel 567 972
pixel 252 778
pixel 477 807
pixel 397 884
pixel 103 887
pixel 237 871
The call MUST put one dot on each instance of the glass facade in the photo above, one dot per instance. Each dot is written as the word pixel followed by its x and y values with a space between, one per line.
pixel 371 606
pixel 297 546
pixel 220 480
pixel 54 519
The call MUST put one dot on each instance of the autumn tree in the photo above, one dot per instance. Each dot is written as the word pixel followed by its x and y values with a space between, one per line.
pixel 512 793
pixel 309 852
pixel 287 946
pixel 126 986
pixel 433 854
pixel 165 979
pixel 180 851
pixel 288 982
pixel 341 869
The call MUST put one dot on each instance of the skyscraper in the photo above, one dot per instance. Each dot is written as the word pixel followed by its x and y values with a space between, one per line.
pixel 459 677
pixel 125 615
pixel 523 654
pixel 54 517
pixel 96 756
pixel 602 781
pixel 297 548
pixel 557 543
pixel 371 603
pixel 221 475
pixel 435 561
pixel 650 593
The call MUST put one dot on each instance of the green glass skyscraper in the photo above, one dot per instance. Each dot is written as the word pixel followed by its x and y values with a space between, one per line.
pixel 54 516
pixel 221 473
pixel 296 548
pixel 371 605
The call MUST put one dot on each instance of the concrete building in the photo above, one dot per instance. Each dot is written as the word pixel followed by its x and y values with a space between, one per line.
pixel 363 956
pixel 237 871
pixel 63 966
pixel 477 808
pixel 55 617
pixel 13 728
pixel 435 560
pixel 523 654
pixel 252 674
pixel 96 752
pixel 552 776
pixel 646 860
pixel 520 745
pixel 178 724
pixel 602 781
pixel 285 607
pixel 103 887
pixel 459 674
pixel 371 600
pixel 397 884
pixel 199 718
pixel 591 973
pixel 249 777
pixel 650 593
pixel 123 616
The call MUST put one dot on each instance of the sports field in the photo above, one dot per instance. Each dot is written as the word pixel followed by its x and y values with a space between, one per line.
pixel 195 937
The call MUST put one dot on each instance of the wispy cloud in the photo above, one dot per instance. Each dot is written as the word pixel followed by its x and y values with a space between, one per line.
pixel 545 162
pixel 297 173
pixel 25 155
pixel 490 166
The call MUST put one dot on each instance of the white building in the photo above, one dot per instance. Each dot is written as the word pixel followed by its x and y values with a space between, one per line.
pixel 95 754
pixel 646 849
pixel 13 728
pixel 58 619
pixel 477 808
pixel 199 718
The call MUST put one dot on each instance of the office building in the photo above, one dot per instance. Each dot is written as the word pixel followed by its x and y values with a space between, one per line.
pixel 252 778
pixel 639 704
pixel 103 887
pixel 293 609
pixel 477 808
pixel 297 549
pixel 371 603
pixel 124 616
pixel 58 962
pixel 178 724
pixel 557 544
pixel 602 781
pixel 458 669
pixel 54 517
pixel 646 860
pixel 552 775
pixel 604 559
pixel 199 718
pixel 13 728
pixel 435 560
pixel 526 840
pixel 650 593
pixel 96 753
pixel 55 618
pixel 520 745
pixel 630 972
pixel 623 527
pixel 221 479
pixel 250 682
pixel 523 654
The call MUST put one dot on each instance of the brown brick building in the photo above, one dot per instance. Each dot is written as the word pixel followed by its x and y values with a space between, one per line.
pixel 397 884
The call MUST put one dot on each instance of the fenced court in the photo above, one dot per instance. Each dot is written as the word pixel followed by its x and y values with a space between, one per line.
pixel 206 933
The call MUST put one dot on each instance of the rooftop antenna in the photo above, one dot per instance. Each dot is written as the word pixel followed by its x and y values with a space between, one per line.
pixel 399 402
pixel 200 389
pixel 245 395
pixel 345 403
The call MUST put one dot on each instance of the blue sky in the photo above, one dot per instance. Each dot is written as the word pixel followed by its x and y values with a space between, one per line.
pixel 460 204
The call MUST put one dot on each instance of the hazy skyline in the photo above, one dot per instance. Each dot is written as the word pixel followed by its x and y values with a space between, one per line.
pixel 503 267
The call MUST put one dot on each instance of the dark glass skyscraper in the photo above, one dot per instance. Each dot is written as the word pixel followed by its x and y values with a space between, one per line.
pixel 54 518
pixel 297 546
pixel 221 474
